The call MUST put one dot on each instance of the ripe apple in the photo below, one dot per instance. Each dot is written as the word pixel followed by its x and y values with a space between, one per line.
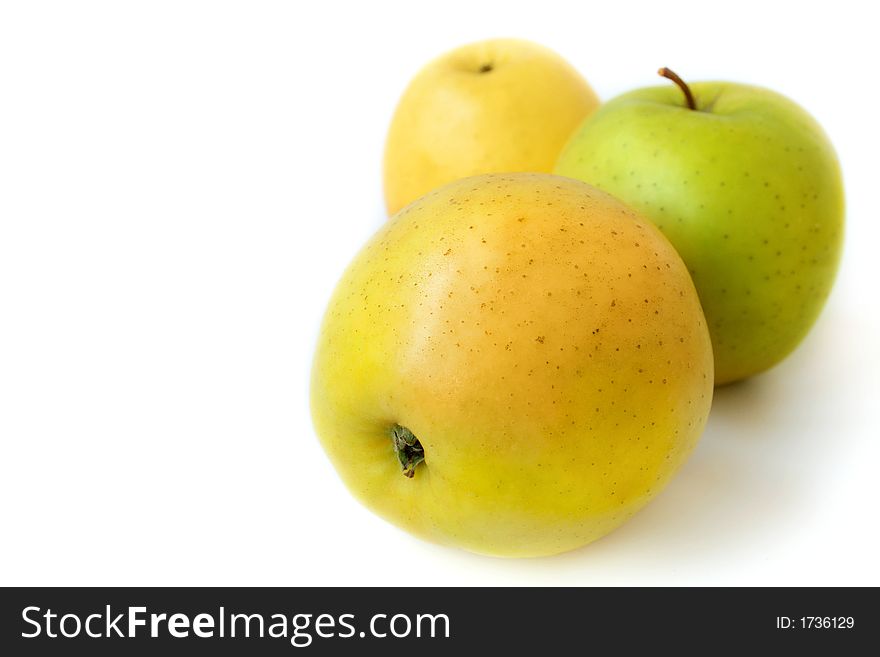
pixel 514 364
pixel 488 107
pixel 747 187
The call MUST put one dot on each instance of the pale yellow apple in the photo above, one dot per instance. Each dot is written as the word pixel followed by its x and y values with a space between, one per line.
pixel 537 342
pixel 489 107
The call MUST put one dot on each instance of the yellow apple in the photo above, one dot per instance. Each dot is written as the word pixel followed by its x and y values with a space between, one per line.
pixel 489 107
pixel 514 364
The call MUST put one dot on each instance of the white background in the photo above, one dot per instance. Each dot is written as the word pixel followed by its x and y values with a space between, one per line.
pixel 181 185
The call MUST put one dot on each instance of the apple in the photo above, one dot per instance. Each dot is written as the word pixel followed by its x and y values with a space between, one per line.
pixel 514 364
pixel 747 187
pixel 488 107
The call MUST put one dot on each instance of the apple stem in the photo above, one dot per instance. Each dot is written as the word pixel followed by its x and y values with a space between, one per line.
pixel 672 75
pixel 407 448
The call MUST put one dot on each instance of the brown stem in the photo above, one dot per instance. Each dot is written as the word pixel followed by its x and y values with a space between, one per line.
pixel 671 75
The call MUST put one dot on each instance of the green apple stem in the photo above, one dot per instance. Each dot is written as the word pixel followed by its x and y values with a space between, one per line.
pixel 672 75
pixel 408 449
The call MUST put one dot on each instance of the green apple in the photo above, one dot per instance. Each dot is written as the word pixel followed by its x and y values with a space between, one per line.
pixel 514 364
pixel 746 186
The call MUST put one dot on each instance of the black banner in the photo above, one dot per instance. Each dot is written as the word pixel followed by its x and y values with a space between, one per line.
pixel 423 621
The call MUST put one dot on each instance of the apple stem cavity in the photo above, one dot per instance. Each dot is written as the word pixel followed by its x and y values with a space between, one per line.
pixel 672 75
pixel 407 448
